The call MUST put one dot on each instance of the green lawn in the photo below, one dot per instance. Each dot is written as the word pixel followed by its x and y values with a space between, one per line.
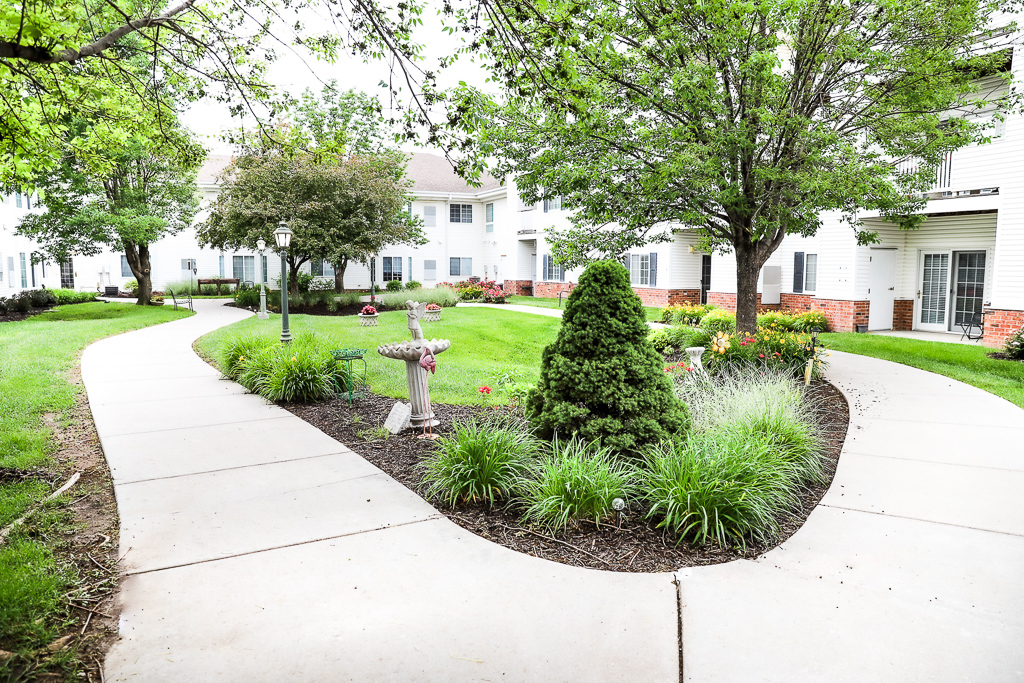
pixel 485 341
pixel 36 356
pixel 653 313
pixel 967 363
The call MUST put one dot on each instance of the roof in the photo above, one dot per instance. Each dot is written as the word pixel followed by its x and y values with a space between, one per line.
pixel 212 167
pixel 433 173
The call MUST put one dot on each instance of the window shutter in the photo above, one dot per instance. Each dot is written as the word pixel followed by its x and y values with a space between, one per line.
pixel 654 269
pixel 544 270
pixel 798 272
pixel 561 271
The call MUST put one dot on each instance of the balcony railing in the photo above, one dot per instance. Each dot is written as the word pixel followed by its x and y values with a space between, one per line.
pixel 943 172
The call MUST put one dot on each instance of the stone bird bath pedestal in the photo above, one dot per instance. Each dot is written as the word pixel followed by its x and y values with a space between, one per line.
pixel 418 355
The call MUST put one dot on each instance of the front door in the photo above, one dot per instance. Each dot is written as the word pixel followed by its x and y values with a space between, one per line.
pixel 881 288
pixel 705 277
pixel 969 287
pixel 933 306
pixel 188 270
pixel 67 274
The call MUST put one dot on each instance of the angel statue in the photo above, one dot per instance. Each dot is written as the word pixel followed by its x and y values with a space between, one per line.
pixel 415 311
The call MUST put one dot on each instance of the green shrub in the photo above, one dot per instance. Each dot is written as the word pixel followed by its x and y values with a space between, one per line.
pixel 479 462
pixel 412 284
pixel 577 481
pixel 182 287
pixel 779 319
pixel 70 296
pixel 677 338
pixel 601 379
pixel 41 298
pixel 684 314
pixel 805 321
pixel 236 350
pixel 442 296
pixel 3 305
pixel 132 286
pixel 21 303
pixel 321 284
pixel 302 371
pixel 719 320
pixel 394 286
pixel 209 290
pixel 718 487
pixel 1015 345
pixel 339 301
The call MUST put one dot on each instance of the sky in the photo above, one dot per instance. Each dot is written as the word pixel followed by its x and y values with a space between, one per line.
pixel 296 71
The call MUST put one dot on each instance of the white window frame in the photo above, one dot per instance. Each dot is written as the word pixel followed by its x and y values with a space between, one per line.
pixel 464 265
pixel 388 264
pixel 489 217
pixel 555 272
pixel 553 204
pixel 430 216
pixel 126 270
pixel 640 269
pixel 813 286
pixel 430 270
pixel 248 264
pixel 465 213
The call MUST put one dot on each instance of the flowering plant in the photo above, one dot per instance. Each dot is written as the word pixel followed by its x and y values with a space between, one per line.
pixel 368 310
pixel 433 307
pixel 1015 345
pixel 485 390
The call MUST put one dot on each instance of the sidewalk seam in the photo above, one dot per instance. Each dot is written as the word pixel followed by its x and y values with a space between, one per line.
pixel 431 518
pixel 240 467
pixel 934 462
pixel 920 519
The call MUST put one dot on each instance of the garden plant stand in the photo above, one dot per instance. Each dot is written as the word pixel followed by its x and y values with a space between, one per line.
pixel 354 384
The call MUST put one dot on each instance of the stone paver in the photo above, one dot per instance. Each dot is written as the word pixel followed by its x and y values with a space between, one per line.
pixel 259 549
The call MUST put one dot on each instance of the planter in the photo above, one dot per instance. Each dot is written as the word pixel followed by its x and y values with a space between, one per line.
pixel 368 320
pixel 432 316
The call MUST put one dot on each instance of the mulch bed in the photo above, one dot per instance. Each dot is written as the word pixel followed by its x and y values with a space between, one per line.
pixel 1003 356
pixel 631 546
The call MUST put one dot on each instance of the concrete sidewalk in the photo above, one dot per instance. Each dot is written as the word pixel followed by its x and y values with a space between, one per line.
pixel 258 549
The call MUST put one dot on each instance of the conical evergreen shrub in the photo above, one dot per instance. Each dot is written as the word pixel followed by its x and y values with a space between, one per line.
pixel 601 378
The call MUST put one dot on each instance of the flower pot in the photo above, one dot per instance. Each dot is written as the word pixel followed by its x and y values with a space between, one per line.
pixel 368 320
pixel 432 316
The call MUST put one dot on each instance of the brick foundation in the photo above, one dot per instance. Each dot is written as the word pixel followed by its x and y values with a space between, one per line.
pixel 649 296
pixel 551 289
pixel 843 316
pixel 1000 324
pixel 518 287
pixel 903 315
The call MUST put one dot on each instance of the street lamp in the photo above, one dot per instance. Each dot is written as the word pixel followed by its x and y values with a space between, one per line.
pixel 262 315
pixel 283 237
pixel 373 279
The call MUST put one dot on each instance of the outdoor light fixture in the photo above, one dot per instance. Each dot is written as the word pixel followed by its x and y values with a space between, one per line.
pixel 618 505
pixel 810 361
pixel 262 315
pixel 283 236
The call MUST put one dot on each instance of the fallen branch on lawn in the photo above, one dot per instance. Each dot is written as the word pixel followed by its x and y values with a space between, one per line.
pixel 7 529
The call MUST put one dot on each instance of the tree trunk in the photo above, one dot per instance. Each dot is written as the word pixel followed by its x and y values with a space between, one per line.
pixel 293 276
pixel 139 262
pixel 339 275
pixel 747 270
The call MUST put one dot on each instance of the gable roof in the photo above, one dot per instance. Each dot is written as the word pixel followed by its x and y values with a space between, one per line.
pixel 212 167
pixel 433 173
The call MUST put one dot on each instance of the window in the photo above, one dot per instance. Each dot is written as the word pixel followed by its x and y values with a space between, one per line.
pixel 321 268
pixel 10 271
pixel 28 201
pixel 805 272
pixel 392 268
pixel 430 216
pixel 430 270
pixel 188 264
pixel 553 204
pixel 460 267
pixel 639 269
pixel 408 208
pixel 17 200
pixel 243 268
pixel 24 271
pixel 221 261
pixel 126 270
pixel 811 273
pixel 552 271
pixel 460 213
pixel 489 218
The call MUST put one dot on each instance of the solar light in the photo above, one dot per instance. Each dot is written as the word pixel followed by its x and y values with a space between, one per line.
pixel 618 505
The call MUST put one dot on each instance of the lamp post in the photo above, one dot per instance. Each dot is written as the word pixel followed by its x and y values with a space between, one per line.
pixel 810 361
pixel 283 237
pixel 373 279
pixel 262 315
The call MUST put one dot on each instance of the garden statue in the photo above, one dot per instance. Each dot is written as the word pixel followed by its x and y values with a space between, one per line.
pixel 694 353
pixel 419 356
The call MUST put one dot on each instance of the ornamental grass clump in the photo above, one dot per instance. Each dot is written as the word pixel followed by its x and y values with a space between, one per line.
pixel 718 487
pixel 577 481
pixel 480 462
pixel 236 349
pixel 303 371
pixel 601 379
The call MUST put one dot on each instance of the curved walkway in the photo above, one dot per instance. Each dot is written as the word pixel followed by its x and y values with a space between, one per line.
pixel 258 549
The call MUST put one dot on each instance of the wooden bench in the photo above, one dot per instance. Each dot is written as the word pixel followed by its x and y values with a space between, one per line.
pixel 216 281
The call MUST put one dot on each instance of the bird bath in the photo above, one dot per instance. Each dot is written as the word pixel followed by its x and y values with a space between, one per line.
pixel 418 355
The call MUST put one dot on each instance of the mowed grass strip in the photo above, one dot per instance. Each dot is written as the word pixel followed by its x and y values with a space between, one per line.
pixel 967 363
pixel 36 356
pixel 653 313
pixel 485 341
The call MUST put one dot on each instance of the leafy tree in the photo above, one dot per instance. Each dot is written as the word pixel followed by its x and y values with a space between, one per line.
pixel 742 119
pixel 601 378
pixel 147 191
pixel 337 208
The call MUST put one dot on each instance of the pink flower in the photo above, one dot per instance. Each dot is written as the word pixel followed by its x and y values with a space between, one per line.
pixel 668 369
pixel 689 369
pixel 760 355
pixel 369 310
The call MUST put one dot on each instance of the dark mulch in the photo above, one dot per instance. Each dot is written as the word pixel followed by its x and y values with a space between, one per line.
pixel 631 546
pixel 13 316
pixel 1003 356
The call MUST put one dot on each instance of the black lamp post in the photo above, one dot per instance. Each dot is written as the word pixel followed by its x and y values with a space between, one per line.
pixel 283 237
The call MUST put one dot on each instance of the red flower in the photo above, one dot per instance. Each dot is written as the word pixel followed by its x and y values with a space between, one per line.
pixel 668 369
pixel 760 355
pixel 484 390
pixel 689 369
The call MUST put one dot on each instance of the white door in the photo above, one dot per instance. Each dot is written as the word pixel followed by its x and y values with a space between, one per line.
pixel 881 288
pixel 533 269
pixel 933 296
